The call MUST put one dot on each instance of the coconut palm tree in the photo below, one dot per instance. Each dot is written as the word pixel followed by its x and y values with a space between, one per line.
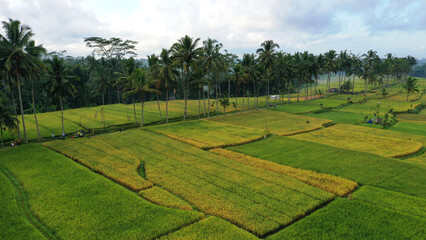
pixel 248 64
pixel 7 119
pixel 59 83
pixel 410 85
pixel 153 66
pixel 186 53
pixel 236 74
pixel 369 60
pixel 125 84
pixel 141 84
pixel 167 75
pixel 330 67
pixel 18 61
pixel 35 72
pixel 267 56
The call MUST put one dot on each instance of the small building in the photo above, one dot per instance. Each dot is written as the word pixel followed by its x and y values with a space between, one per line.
pixel 273 97
pixel 333 90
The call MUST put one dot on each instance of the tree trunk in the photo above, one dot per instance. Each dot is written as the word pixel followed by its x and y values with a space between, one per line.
pixel 217 102
pixel 408 93
pixel 288 93
pixel 186 94
pixel 118 96
pixel 167 105
pixel 204 100
pixel 208 101
pixel 1 130
pixel 229 87
pixel 340 73
pixel 244 92
pixel 34 110
pixel 248 97
pixel 254 93
pixel 316 93
pixel 353 84
pixel 134 108
pixel 159 109
pixel 62 115
pixel 236 95
pixel 199 103
pixel 22 108
pixel 14 108
pixel 327 88
pixel 103 98
pixel 267 93
pixel 142 102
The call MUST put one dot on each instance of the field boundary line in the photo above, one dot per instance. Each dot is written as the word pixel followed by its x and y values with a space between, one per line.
pixel 182 227
pixel 24 207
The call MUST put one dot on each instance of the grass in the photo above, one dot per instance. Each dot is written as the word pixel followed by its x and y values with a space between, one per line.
pixel 338 117
pixel 279 123
pixel 13 222
pixel 257 200
pixel 345 219
pixel 208 134
pixel 410 127
pixel 75 203
pixel 412 117
pixel 210 228
pixel 164 198
pixel 365 168
pixel 332 184
pixel 347 136
pixel 105 159
pixel 392 200
pixel 380 106
pixel 314 105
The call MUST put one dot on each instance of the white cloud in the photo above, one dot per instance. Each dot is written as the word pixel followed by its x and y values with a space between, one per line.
pixel 316 26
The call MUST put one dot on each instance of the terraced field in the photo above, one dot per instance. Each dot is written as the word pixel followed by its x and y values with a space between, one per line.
pixel 257 200
pixel 364 168
pixel 347 136
pixel 66 197
pixel 278 123
pixel 208 134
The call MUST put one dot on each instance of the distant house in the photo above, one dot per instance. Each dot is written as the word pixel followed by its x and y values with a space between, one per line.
pixel 333 90
pixel 273 97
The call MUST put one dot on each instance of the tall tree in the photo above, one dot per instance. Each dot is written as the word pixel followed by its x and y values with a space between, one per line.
pixel 59 83
pixel 34 75
pixel 330 67
pixel 410 85
pixel 141 84
pixel 167 75
pixel 18 61
pixel 153 67
pixel 7 118
pixel 186 53
pixel 267 56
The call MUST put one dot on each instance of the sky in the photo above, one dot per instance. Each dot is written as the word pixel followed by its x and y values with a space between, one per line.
pixel 398 27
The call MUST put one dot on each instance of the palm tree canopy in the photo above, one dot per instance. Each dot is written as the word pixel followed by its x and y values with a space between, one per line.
pixel 141 83
pixel 167 71
pixel 267 53
pixel 410 85
pixel 59 80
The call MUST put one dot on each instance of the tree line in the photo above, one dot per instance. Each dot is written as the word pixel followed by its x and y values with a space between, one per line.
pixel 34 81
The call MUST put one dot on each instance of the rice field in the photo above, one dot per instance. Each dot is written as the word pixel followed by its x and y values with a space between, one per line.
pixel 254 199
pixel 279 123
pixel 164 198
pixel 352 219
pixel 347 136
pixel 209 134
pixel 362 167
pixel 72 202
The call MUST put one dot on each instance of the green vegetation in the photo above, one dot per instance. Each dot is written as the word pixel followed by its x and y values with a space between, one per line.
pixel 208 134
pixel 209 229
pixel 345 219
pixel 13 222
pixel 164 198
pixel 279 123
pixel 339 117
pixel 347 136
pixel 66 197
pixel 410 127
pixel 362 167
pixel 257 200
pixel 392 200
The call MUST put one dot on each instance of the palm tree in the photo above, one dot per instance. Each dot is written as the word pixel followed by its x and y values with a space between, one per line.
pixel 236 74
pixel 267 56
pixel 59 83
pixel 342 65
pixel 153 65
pixel 35 72
pixel 167 75
pixel 410 85
pixel 125 83
pixel 7 119
pixel 141 84
pixel 186 53
pixel 330 67
pixel 369 59
pixel 213 64
pixel 100 78
pixel 248 65
pixel 17 60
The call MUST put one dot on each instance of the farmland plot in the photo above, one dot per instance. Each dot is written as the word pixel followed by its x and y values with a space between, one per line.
pixel 346 136
pixel 207 134
pixel 257 200
pixel 75 203
pixel 365 168
pixel 279 123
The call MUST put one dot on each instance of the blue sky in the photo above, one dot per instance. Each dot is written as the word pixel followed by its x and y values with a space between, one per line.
pixel 315 26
